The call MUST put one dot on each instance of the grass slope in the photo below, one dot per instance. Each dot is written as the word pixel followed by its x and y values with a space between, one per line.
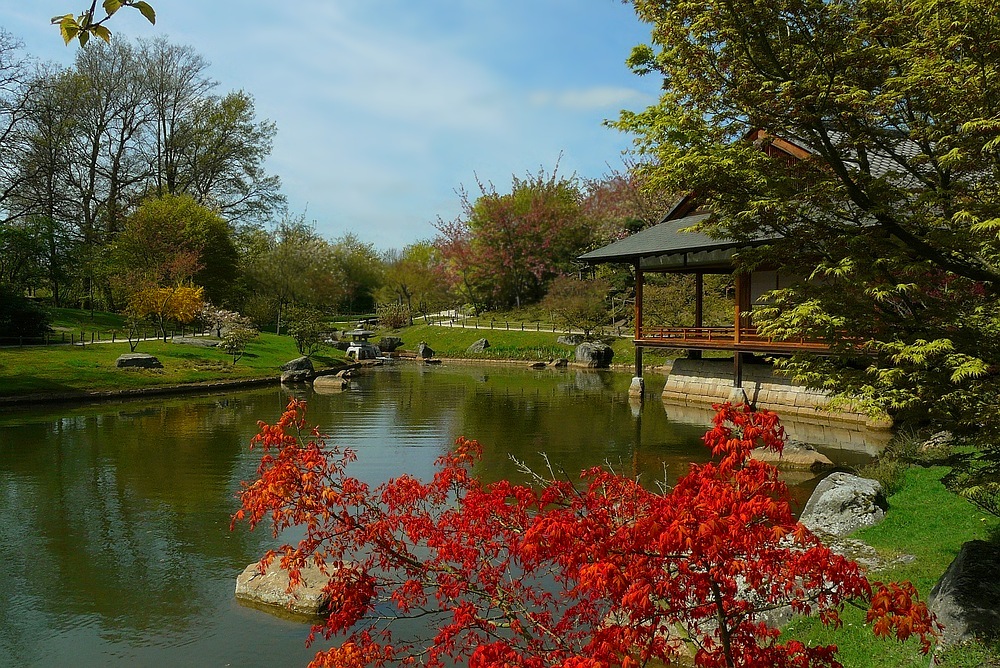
pixel 68 369
pixel 511 344
pixel 928 522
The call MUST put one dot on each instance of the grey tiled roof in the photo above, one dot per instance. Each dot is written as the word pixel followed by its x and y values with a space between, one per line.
pixel 664 238
pixel 667 238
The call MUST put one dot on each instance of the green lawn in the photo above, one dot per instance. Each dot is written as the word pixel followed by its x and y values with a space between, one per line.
pixel 511 344
pixel 924 520
pixel 66 369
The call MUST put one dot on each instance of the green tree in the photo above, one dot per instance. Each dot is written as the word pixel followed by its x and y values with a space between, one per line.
pixel 292 264
pixel 414 277
pixel 362 272
pixel 307 327
pixel 887 194
pixel 579 304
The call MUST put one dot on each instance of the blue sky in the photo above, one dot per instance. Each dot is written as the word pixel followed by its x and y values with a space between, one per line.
pixel 385 108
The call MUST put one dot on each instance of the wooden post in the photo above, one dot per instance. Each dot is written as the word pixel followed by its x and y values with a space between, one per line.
pixel 699 299
pixel 699 310
pixel 739 305
pixel 638 361
pixel 638 299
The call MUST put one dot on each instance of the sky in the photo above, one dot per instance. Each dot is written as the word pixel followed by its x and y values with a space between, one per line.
pixel 385 109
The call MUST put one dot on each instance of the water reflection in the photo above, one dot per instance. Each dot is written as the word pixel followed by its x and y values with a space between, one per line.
pixel 115 517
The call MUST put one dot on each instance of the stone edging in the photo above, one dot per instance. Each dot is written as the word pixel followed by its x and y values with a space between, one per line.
pixel 106 395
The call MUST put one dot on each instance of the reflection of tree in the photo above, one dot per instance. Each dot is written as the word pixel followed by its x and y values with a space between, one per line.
pixel 120 515
pixel 116 517
pixel 575 428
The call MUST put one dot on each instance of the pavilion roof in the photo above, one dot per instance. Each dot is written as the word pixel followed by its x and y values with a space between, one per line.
pixel 669 244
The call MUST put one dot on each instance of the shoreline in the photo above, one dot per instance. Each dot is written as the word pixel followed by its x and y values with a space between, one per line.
pixel 135 393
pixel 209 386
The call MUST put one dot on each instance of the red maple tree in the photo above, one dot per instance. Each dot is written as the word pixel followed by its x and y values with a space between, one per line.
pixel 598 573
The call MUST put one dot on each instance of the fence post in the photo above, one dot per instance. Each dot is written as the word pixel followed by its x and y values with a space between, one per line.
pixel 72 338
pixel 538 325
pixel 112 336
pixel 91 336
pixel 63 337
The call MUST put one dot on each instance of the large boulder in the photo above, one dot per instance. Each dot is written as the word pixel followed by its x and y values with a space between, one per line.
pixel 138 361
pixel 843 503
pixel 299 370
pixel 478 347
pixel 199 341
pixel 388 344
pixel 269 589
pixel 424 351
pixel 597 355
pixel 298 364
pixel 967 597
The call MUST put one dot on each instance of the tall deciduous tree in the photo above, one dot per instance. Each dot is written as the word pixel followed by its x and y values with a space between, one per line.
pixel 292 264
pixel 891 109
pixel 362 270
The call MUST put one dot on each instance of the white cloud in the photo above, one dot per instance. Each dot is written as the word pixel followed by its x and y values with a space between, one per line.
pixel 585 99
pixel 384 108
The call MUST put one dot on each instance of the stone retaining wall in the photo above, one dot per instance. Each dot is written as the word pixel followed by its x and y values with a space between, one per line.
pixel 709 381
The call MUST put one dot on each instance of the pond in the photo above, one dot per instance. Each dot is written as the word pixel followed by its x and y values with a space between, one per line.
pixel 114 518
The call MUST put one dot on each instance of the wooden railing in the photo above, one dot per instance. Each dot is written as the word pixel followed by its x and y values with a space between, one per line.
pixel 722 338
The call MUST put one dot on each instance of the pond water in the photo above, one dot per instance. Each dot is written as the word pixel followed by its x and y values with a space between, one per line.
pixel 114 518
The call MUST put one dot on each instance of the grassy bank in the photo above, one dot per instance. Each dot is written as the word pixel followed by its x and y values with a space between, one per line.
pixel 511 344
pixel 66 369
pixel 929 523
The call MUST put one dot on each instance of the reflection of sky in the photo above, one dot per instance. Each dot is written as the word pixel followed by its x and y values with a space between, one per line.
pixel 115 518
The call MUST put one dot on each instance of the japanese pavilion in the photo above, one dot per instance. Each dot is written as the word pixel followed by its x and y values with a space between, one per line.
pixel 671 246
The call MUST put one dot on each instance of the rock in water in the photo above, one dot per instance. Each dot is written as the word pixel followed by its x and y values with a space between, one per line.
pixel 269 589
pixel 597 355
pixel 298 370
